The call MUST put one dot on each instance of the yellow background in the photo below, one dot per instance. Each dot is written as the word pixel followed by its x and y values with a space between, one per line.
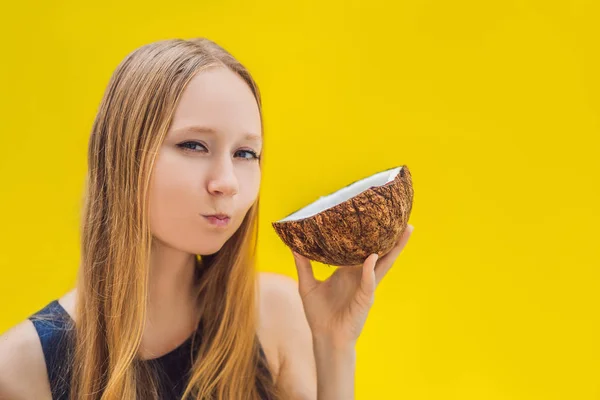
pixel 493 105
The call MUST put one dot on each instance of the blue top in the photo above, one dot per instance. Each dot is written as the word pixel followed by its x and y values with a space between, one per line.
pixel 54 327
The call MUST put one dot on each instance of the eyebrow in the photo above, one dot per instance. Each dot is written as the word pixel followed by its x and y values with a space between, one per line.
pixel 203 129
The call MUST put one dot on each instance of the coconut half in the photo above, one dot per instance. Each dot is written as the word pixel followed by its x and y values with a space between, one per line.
pixel 343 228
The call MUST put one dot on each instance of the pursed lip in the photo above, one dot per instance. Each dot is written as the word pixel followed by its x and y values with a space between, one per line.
pixel 218 216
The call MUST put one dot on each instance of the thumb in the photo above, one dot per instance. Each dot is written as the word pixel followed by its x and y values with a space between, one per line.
pixel 367 282
pixel 306 277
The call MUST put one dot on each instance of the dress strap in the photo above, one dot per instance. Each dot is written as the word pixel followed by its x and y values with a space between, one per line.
pixel 54 327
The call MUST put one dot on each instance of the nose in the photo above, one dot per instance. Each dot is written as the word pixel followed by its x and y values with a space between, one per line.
pixel 222 179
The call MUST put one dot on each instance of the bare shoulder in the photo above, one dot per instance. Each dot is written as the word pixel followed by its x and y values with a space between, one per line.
pixel 23 373
pixel 68 303
pixel 283 313
pixel 22 366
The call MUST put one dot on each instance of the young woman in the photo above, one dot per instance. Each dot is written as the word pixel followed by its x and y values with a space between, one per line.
pixel 168 303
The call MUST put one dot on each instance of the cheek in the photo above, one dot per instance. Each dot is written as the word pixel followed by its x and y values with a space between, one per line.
pixel 249 189
pixel 172 199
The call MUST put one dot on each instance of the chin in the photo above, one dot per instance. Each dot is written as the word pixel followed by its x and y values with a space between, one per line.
pixel 208 250
pixel 206 253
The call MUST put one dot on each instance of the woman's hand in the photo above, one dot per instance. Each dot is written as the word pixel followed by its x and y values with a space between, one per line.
pixel 337 308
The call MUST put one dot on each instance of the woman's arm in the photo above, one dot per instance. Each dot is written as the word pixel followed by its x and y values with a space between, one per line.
pixel 320 322
pixel 335 369
pixel 336 310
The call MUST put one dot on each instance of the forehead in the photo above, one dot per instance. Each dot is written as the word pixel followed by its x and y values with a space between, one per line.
pixel 220 101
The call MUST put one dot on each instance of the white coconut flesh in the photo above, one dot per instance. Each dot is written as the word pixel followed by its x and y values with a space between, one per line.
pixel 326 202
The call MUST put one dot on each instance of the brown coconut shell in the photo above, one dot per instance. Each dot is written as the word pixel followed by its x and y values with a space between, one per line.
pixel 347 233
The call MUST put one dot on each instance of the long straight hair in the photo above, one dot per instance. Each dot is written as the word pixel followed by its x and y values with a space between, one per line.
pixel 131 124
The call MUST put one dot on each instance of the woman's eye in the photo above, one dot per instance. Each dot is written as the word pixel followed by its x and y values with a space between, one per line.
pixel 253 155
pixel 190 145
pixel 193 146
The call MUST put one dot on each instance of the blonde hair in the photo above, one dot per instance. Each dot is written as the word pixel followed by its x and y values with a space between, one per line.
pixel 131 124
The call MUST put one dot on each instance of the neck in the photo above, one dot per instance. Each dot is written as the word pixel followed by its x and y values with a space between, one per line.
pixel 172 308
pixel 171 278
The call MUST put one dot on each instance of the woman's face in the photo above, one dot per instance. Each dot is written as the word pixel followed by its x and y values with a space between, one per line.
pixel 207 164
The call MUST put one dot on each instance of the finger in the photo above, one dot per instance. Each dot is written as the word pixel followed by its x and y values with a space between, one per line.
pixel 306 277
pixel 386 262
pixel 367 282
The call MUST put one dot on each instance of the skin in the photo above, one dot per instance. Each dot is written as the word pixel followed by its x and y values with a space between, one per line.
pixel 308 328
